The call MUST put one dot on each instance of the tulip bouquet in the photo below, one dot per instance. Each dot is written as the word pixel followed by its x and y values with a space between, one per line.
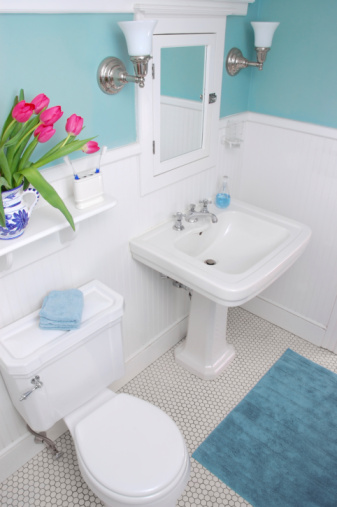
pixel 27 125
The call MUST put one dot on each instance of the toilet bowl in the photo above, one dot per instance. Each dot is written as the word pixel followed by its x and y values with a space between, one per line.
pixel 129 451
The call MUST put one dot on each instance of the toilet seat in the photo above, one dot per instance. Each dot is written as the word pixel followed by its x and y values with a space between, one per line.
pixel 131 448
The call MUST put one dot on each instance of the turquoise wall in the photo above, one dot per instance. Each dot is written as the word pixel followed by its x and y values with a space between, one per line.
pixel 235 89
pixel 299 79
pixel 59 55
pixel 300 82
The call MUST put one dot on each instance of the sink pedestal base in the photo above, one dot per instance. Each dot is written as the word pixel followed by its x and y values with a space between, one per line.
pixel 205 351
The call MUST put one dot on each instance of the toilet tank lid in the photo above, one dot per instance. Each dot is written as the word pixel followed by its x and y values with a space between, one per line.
pixel 24 347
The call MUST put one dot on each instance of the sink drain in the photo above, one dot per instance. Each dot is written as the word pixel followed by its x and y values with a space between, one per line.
pixel 210 262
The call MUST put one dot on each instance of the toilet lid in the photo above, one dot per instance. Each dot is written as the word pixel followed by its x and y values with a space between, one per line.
pixel 130 446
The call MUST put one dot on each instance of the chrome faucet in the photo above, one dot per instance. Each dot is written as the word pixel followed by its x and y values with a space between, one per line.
pixel 192 215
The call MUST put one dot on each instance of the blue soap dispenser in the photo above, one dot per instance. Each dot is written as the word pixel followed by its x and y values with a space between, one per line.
pixel 223 197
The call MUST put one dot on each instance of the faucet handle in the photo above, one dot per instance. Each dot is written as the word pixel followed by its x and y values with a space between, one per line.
pixel 205 203
pixel 178 226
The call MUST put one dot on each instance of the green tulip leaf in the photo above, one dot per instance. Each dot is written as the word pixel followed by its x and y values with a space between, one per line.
pixel 4 183
pixel 2 215
pixel 4 167
pixel 9 118
pixel 58 152
pixel 47 191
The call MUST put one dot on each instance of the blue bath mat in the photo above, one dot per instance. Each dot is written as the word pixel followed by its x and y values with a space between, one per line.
pixel 278 447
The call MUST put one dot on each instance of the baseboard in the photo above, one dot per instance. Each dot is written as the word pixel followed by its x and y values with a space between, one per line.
pixel 24 448
pixel 282 317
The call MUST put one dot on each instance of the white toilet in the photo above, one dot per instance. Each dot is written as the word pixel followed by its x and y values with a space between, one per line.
pixel 129 452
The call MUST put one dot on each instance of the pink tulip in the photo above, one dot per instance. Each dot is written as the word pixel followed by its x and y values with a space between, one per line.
pixel 23 111
pixel 51 115
pixel 90 147
pixel 44 133
pixel 74 124
pixel 40 102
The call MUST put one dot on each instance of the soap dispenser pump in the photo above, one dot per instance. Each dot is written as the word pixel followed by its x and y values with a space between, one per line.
pixel 223 197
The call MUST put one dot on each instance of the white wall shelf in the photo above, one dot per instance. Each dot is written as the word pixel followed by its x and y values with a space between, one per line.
pixel 47 221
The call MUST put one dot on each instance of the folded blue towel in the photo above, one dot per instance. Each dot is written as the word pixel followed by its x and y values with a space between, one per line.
pixel 62 309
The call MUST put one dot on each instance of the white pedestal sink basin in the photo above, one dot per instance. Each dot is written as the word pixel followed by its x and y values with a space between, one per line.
pixel 225 264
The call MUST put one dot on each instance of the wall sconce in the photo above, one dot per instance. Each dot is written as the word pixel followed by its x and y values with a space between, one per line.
pixel 112 75
pixel 264 32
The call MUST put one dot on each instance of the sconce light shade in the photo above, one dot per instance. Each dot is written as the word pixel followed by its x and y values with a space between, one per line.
pixel 138 35
pixel 264 32
pixel 112 75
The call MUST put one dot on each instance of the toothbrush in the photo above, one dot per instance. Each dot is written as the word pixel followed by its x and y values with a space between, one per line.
pixel 70 165
pixel 103 152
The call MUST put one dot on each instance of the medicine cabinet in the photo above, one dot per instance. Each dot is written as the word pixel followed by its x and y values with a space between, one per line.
pixel 179 107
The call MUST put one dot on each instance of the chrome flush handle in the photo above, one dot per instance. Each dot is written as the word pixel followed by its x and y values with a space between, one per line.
pixel 37 385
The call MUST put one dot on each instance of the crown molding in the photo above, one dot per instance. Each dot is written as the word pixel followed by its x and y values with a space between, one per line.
pixel 197 8
pixel 165 7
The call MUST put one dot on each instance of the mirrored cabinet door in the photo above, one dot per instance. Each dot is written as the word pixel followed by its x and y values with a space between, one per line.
pixel 182 80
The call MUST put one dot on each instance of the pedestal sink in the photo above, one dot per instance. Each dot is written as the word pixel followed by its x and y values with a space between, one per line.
pixel 225 264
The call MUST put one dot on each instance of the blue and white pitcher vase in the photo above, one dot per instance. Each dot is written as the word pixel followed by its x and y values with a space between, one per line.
pixel 17 210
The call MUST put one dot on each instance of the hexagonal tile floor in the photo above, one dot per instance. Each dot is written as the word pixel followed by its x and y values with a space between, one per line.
pixel 197 406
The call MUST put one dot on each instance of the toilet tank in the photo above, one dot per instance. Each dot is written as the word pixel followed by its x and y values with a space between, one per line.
pixel 73 366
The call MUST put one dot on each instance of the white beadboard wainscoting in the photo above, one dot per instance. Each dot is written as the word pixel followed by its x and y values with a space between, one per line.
pixel 290 168
pixel 285 166
pixel 155 315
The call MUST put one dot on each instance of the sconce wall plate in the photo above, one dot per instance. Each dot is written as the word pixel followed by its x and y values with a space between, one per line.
pixel 112 75
pixel 109 75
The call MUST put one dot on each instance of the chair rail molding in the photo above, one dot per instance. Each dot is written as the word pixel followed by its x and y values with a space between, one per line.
pixel 174 7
